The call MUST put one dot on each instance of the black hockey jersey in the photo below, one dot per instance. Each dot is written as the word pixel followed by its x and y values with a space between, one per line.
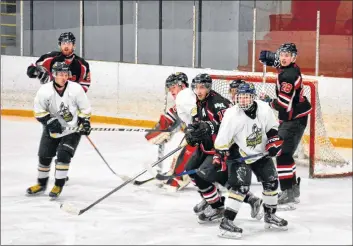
pixel 291 102
pixel 80 71
pixel 212 109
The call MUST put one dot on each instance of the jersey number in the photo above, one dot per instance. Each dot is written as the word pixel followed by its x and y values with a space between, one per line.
pixel 286 87
pixel 221 114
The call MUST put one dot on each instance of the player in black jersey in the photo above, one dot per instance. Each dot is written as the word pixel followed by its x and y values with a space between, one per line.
pixel 293 110
pixel 79 68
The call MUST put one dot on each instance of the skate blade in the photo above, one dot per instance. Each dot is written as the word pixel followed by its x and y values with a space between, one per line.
pixel 229 235
pixel 296 200
pixel 53 198
pixel 286 207
pixel 276 227
pixel 209 221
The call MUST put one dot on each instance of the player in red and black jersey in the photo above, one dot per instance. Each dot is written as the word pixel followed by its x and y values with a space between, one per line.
pixel 293 110
pixel 80 72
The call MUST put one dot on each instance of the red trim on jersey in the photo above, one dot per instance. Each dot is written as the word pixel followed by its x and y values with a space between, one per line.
pixel 303 114
pixel 286 176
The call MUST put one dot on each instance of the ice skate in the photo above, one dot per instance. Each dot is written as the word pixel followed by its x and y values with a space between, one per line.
pixel 36 190
pixel 227 229
pixel 55 192
pixel 200 207
pixel 256 207
pixel 286 200
pixel 211 215
pixel 273 221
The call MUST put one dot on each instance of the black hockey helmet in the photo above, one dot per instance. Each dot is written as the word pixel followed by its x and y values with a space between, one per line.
pixel 66 37
pixel 177 78
pixel 60 67
pixel 202 78
pixel 288 47
pixel 235 83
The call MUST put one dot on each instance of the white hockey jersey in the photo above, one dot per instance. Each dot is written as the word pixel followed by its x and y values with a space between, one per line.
pixel 249 134
pixel 66 108
pixel 185 101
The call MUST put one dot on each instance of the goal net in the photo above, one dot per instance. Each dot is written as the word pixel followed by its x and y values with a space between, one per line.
pixel 316 150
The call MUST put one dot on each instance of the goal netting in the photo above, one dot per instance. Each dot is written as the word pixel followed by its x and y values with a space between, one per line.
pixel 316 150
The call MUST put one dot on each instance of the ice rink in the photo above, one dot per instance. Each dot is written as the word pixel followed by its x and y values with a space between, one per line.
pixel 143 214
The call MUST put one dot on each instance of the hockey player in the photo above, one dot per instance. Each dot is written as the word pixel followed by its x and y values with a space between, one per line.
pixel 58 104
pixel 207 117
pixel 185 100
pixel 249 128
pixel 293 109
pixel 79 68
pixel 233 88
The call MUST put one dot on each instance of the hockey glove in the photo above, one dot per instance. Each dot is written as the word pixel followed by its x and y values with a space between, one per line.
pixel 190 135
pixel 264 97
pixel 54 126
pixel 273 146
pixel 269 58
pixel 220 159
pixel 32 72
pixel 86 126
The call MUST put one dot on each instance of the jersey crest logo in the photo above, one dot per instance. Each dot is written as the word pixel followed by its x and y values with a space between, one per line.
pixel 65 113
pixel 194 111
pixel 255 137
pixel 219 105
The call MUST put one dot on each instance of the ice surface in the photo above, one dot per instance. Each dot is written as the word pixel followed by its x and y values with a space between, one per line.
pixel 145 214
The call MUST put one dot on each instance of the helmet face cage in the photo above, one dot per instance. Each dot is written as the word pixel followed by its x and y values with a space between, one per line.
pixel 60 67
pixel 245 96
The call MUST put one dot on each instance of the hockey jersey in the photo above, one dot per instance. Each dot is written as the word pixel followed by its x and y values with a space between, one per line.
pixel 185 101
pixel 249 134
pixel 73 103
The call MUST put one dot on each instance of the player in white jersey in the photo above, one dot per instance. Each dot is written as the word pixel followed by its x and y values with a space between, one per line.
pixel 185 100
pixel 249 128
pixel 58 104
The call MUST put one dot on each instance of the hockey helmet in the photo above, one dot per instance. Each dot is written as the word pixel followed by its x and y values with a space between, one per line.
pixel 202 78
pixel 235 83
pixel 288 47
pixel 177 78
pixel 66 37
pixel 60 67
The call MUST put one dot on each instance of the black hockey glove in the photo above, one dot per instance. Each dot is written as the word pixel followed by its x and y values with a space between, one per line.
pixel 190 137
pixel 54 126
pixel 43 77
pixel 32 72
pixel 269 58
pixel 86 126
pixel 220 159
pixel 273 145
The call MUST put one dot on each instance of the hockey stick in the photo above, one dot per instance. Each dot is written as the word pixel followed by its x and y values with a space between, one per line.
pixel 72 210
pixel 122 177
pixel 105 129
pixel 167 177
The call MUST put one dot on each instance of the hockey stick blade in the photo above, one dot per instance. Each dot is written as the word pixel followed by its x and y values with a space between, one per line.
pixel 67 207
pixel 167 177
pixel 138 182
